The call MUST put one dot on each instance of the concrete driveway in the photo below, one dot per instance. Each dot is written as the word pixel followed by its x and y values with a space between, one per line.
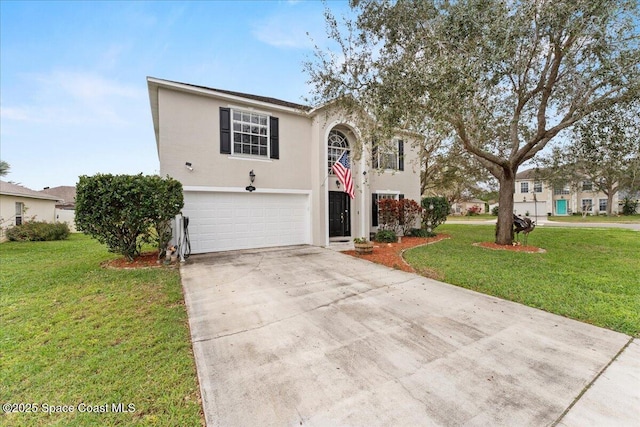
pixel 308 336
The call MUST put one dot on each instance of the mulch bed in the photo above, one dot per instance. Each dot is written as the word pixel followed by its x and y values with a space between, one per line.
pixel 390 254
pixel 145 260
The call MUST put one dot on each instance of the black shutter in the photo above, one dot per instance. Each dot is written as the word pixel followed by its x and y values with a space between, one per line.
pixel 374 210
pixel 225 130
pixel 400 155
pixel 401 196
pixel 274 131
pixel 374 155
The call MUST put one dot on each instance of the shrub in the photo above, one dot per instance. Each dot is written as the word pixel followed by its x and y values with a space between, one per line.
pixel 474 210
pixel 421 232
pixel 38 231
pixel 494 210
pixel 409 211
pixel 388 214
pixel 386 236
pixel 629 207
pixel 124 211
pixel 435 212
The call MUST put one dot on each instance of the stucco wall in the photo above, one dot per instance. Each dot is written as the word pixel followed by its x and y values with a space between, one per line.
pixel 42 210
pixel 190 132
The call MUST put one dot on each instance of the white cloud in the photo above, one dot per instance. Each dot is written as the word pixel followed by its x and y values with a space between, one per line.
pixel 292 29
pixel 72 97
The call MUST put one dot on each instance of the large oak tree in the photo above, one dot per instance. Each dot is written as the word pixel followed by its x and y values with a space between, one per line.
pixel 504 76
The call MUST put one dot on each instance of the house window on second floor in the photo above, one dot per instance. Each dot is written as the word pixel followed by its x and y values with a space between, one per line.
pixel 561 190
pixel 336 145
pixel 587 186
pixel 537 187
pixel 250 133
pixel 389 156
pixel 602 205
pixel 587 205
pixel 524 187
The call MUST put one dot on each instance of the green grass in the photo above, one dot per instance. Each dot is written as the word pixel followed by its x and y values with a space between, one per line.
pixel 592 275
pixel 480 217
pixel 72 332
pixel 623 219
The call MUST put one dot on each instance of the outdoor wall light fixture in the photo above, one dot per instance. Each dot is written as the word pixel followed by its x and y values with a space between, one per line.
pixel 338 183
pixel 252 177
pixel 188 165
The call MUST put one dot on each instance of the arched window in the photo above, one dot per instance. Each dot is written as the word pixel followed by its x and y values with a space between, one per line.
pixel 336 145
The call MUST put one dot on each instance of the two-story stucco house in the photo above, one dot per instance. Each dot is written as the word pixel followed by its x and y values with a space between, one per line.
pixel 533 195
pixel 256 171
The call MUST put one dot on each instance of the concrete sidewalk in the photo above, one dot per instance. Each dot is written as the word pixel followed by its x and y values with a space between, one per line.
pixel 614 398
pixel 308 336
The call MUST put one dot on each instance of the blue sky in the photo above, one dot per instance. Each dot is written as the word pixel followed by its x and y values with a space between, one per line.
pixel 73 93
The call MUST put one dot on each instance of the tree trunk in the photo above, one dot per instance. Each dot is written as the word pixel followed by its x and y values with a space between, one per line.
pixel 609 203
pixel 504 228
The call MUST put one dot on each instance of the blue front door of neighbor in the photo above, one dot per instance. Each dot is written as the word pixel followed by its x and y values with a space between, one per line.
pixel 561 207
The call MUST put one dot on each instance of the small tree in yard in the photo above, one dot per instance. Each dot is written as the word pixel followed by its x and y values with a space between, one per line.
pixel 435 213
pixel 409 212
pixel 505 77
pixel 124 211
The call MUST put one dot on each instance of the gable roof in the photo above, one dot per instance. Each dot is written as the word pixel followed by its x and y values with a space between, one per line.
pixel 64 193
pixel 528 174
pixel 9 189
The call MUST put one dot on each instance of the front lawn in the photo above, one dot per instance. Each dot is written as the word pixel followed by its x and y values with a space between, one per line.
pixel 586 274
pixel 75 335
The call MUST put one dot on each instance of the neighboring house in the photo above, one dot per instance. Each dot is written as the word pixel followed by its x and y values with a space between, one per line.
pixel 532 195
pixel 66 207
pixel 256 171
pixel 19 204
pixel 461 208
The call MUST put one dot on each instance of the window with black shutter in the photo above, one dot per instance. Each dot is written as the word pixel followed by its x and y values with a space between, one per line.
pixel 249 133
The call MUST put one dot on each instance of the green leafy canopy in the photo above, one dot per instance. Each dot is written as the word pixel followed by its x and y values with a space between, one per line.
pixel 124 211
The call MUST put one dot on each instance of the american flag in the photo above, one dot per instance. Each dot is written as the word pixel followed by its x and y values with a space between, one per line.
pixel 342 169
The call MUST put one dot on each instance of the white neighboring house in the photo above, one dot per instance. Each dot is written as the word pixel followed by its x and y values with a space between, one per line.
pixel 533 196
pixel 19 204
pixel 256 171
pixel 66 206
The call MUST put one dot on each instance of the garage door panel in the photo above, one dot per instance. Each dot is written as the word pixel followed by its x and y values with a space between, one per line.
pixel 229 221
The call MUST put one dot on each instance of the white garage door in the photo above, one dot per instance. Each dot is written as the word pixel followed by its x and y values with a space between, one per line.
pixel 229 221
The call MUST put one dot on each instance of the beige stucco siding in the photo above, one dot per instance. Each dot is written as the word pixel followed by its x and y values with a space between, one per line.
pixel 35 209
pixel 190 132
pixel 405 182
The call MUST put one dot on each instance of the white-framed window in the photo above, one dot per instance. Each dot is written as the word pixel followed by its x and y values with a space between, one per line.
pixel 19 212
pixel 537 187
pixel 337 144
pixel 375 198
pixel 389 156
pixel 524 187
pixel 587 205
pixel 561 189
pixel 602 205
pixel 587 186
pixel 250 133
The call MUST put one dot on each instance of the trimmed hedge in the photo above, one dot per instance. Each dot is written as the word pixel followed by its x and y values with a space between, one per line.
pixel 38 231
pixel 125 211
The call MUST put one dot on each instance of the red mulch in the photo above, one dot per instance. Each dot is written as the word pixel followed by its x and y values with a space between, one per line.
pixel 390 254
pixel 145 260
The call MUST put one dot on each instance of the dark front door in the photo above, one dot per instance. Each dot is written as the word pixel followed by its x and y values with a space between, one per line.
pixel 339 214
